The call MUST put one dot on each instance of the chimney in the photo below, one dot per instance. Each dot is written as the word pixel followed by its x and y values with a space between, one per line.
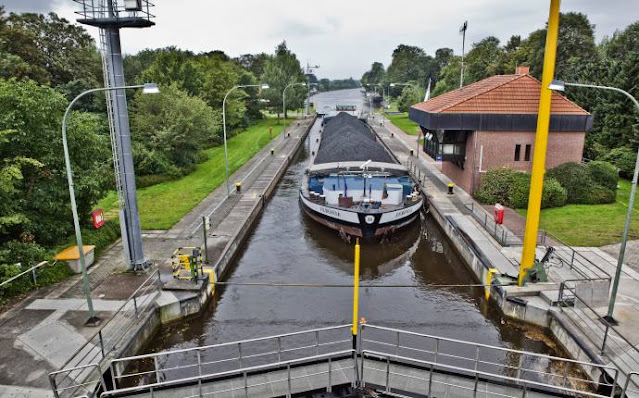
pixel 522 70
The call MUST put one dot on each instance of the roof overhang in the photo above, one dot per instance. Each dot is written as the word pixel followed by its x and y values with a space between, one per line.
pixel 497 121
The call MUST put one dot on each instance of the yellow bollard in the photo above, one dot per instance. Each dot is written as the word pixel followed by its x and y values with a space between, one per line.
pixel 489 280
pixel 238 187
pixel 356 295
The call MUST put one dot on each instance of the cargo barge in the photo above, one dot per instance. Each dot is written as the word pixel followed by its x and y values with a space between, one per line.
pixel 354 185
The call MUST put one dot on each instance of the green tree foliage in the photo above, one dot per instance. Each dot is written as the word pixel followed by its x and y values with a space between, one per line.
pixel 624 159
pixel 281 70
pixel 47 49
pixel 410 96
pixel 375 75
pixel 171 129
pixel 485 59
pixel 31 117
pixel 410 64
pixel 583 183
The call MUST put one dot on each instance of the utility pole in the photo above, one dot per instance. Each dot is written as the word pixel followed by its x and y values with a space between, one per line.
pixel 110 16
pixel 462 30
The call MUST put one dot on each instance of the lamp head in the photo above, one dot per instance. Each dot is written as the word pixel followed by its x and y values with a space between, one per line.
pixel 393 84
pixel 264 86
pixel 150 88
pixel 557 85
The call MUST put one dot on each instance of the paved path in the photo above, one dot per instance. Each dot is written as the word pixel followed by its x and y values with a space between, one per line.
pixel 41 332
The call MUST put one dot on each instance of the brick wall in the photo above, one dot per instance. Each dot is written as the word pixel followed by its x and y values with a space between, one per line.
pixel 499 151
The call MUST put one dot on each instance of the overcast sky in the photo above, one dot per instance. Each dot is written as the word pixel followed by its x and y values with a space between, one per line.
pixel 343 37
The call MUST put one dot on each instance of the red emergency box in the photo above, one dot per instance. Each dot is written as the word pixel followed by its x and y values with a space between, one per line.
pixel 499 213
pixel 97 218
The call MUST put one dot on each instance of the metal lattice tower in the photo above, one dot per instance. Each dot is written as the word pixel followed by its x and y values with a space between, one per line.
pixel 110 16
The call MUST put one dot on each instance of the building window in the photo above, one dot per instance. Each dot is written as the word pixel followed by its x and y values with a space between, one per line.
pixel 517 152
pixel 527 153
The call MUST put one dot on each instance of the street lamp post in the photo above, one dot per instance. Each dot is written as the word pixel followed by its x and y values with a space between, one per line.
pixel 284 101
pixel 559 85
pixel 148 88
pixel 226 152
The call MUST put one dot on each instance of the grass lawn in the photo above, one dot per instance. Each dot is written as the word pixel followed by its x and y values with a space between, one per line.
pixel 163 205
pixel 402 122
pixel 592 225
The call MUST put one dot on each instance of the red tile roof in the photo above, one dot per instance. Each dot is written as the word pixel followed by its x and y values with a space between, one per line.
pixel 504 94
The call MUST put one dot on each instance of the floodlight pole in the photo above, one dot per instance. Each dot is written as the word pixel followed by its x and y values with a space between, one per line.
pixel 541 144
pixel 93 320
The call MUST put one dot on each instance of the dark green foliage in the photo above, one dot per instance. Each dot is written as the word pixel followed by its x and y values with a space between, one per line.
pixel 600 195
pixel 554 195
pixel 575 177
pixel 495 186
pixel 45 276
pixel 410 96
pixel 583 183
pixel 512 188
pixel 604 174
pixel 100 238
pixel 624 159
pixel 519 190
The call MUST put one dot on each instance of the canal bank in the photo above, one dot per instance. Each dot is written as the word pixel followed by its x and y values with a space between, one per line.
pixel 570 305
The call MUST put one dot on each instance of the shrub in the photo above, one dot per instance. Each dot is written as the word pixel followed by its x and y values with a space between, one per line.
pixel 576 179
pixel 512 188
pixel 519 191
pixel 624 159
pixel 554 195
pixel 600 195
pixel 604 174
pixel 151 179
pixel 495 186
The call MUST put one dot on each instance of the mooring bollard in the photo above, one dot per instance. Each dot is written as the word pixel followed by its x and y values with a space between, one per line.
pixel 238 187
pixel 450 188
pixel 272 151
pixel 411 152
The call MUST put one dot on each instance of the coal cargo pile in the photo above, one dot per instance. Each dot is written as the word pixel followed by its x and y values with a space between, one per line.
pixel 347 139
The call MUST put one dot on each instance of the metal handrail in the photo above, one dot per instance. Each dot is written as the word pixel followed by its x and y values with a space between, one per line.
pixel 74 387
pixel 608 326
pixel 32 270
pixel 153 358
pixel 476 373
pixel 627 384
pixel 132 299
pixel 495 348
pixel 244 371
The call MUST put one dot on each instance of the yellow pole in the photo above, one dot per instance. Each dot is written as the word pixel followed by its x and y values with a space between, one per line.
pixel 355 294
pixel 541 143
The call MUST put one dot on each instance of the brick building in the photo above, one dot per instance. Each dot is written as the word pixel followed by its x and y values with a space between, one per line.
pixel 492 123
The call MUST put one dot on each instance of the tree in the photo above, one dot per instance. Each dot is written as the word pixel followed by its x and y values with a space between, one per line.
pixel 484 59
pixel 32 114
pixel 375 75
pixel 254 63
pixel 55 50
pixel 410 96
pixel 410 64
pixel 171 129
pixel 448 77
pixel 280 71
pixel 172 65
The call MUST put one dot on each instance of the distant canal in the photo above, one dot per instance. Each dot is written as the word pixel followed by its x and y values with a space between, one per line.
pixel 287 246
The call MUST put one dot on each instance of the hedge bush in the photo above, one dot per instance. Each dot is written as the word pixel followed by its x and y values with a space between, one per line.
pixel 575 177
pixel 604 174
pixel 624 159
pixel 495 186
pixel 554 195
pixel 511 188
